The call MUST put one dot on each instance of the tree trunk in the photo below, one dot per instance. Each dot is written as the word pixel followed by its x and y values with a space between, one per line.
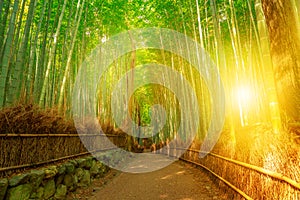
pixel 30 74
pixel 19 67
pixel 74 35
pixel 6 54
pixel 41 57
pixel 51 56
pixel 3 22
pixel 285 52
pixel 267 67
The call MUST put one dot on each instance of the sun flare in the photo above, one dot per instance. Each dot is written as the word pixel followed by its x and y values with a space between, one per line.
pixel 244 95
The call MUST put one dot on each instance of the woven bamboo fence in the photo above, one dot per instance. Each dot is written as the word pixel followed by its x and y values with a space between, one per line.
pixel 18 150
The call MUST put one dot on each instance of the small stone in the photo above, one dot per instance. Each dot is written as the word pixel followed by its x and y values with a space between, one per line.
pixel 75 180
pixel 103 169
pixel 50 172
pixel 69 180
pixel 20 192
pixel 79 173
pixel 89 162
pixel 39 193
pixel 49 189
pixel 99 165
pixel 81 162
pixel 3 187
pixel 73 162
pixel 36 177
pixel 61 192
pixel 94 162
pixel 94 170
pixel 61 169
pixel 70 167
pixel 85 179
pixel 85 163
pixel 59 179
pixel 18 180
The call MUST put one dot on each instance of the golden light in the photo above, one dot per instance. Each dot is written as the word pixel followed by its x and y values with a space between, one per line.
pixel 244 98
pixel 244 95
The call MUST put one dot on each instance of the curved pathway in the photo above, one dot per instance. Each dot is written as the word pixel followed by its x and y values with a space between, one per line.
pixel 178 181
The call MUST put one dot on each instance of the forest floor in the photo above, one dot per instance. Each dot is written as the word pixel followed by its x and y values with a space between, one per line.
pixel 178 181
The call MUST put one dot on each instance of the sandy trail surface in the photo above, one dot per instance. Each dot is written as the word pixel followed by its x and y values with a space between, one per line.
pixel 177 181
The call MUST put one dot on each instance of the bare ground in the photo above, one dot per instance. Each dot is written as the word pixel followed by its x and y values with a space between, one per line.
pixel 178 181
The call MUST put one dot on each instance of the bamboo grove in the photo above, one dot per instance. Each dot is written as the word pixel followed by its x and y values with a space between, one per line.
pixel 43 44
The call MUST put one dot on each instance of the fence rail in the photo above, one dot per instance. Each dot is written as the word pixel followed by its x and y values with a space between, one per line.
pixel 249 181
pixel 261 170
pixel 20 151
pixel 52 160
pixel 243 194
pixel 57 135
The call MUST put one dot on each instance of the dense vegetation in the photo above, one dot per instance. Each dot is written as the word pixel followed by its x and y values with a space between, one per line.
pixel 43 44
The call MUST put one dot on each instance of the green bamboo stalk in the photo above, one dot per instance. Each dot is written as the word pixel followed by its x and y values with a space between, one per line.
pixel 30 75
pixel 51 56
pixel 3 23
pixel 62 89
pixel 20 66
pixel 7 54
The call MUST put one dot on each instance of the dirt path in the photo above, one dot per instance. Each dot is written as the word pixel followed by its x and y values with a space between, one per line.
pixel 178 181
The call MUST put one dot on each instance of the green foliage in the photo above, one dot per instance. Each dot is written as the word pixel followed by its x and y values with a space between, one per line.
pixel 227 29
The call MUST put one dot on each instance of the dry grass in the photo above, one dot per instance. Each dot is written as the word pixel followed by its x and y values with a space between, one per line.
pixel 259 146
pixel 30 119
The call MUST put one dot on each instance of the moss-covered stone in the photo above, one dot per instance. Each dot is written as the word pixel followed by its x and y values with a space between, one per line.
pixel 79 173
pixel 61 192
pixel 70 167
pixel 59 179
pixel 88 162
pixel 38 194
pixel 75 179
pixel 41 184
pixel 69 180
pixel 19 179
pixel 50 172
pixel 61 169
pixel 36 178
pixel 85 179
pixel 94 170
pixel 49 189
pixel 19 192
pixel 103 169
pixel 81 162
pixel 85 163
pixel 3 187
pixel 74 162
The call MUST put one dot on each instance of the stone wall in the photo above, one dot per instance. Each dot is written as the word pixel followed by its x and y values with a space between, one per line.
pixel 52 182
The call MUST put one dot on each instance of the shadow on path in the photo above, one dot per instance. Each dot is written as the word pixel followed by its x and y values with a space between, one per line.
pixel 178 181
